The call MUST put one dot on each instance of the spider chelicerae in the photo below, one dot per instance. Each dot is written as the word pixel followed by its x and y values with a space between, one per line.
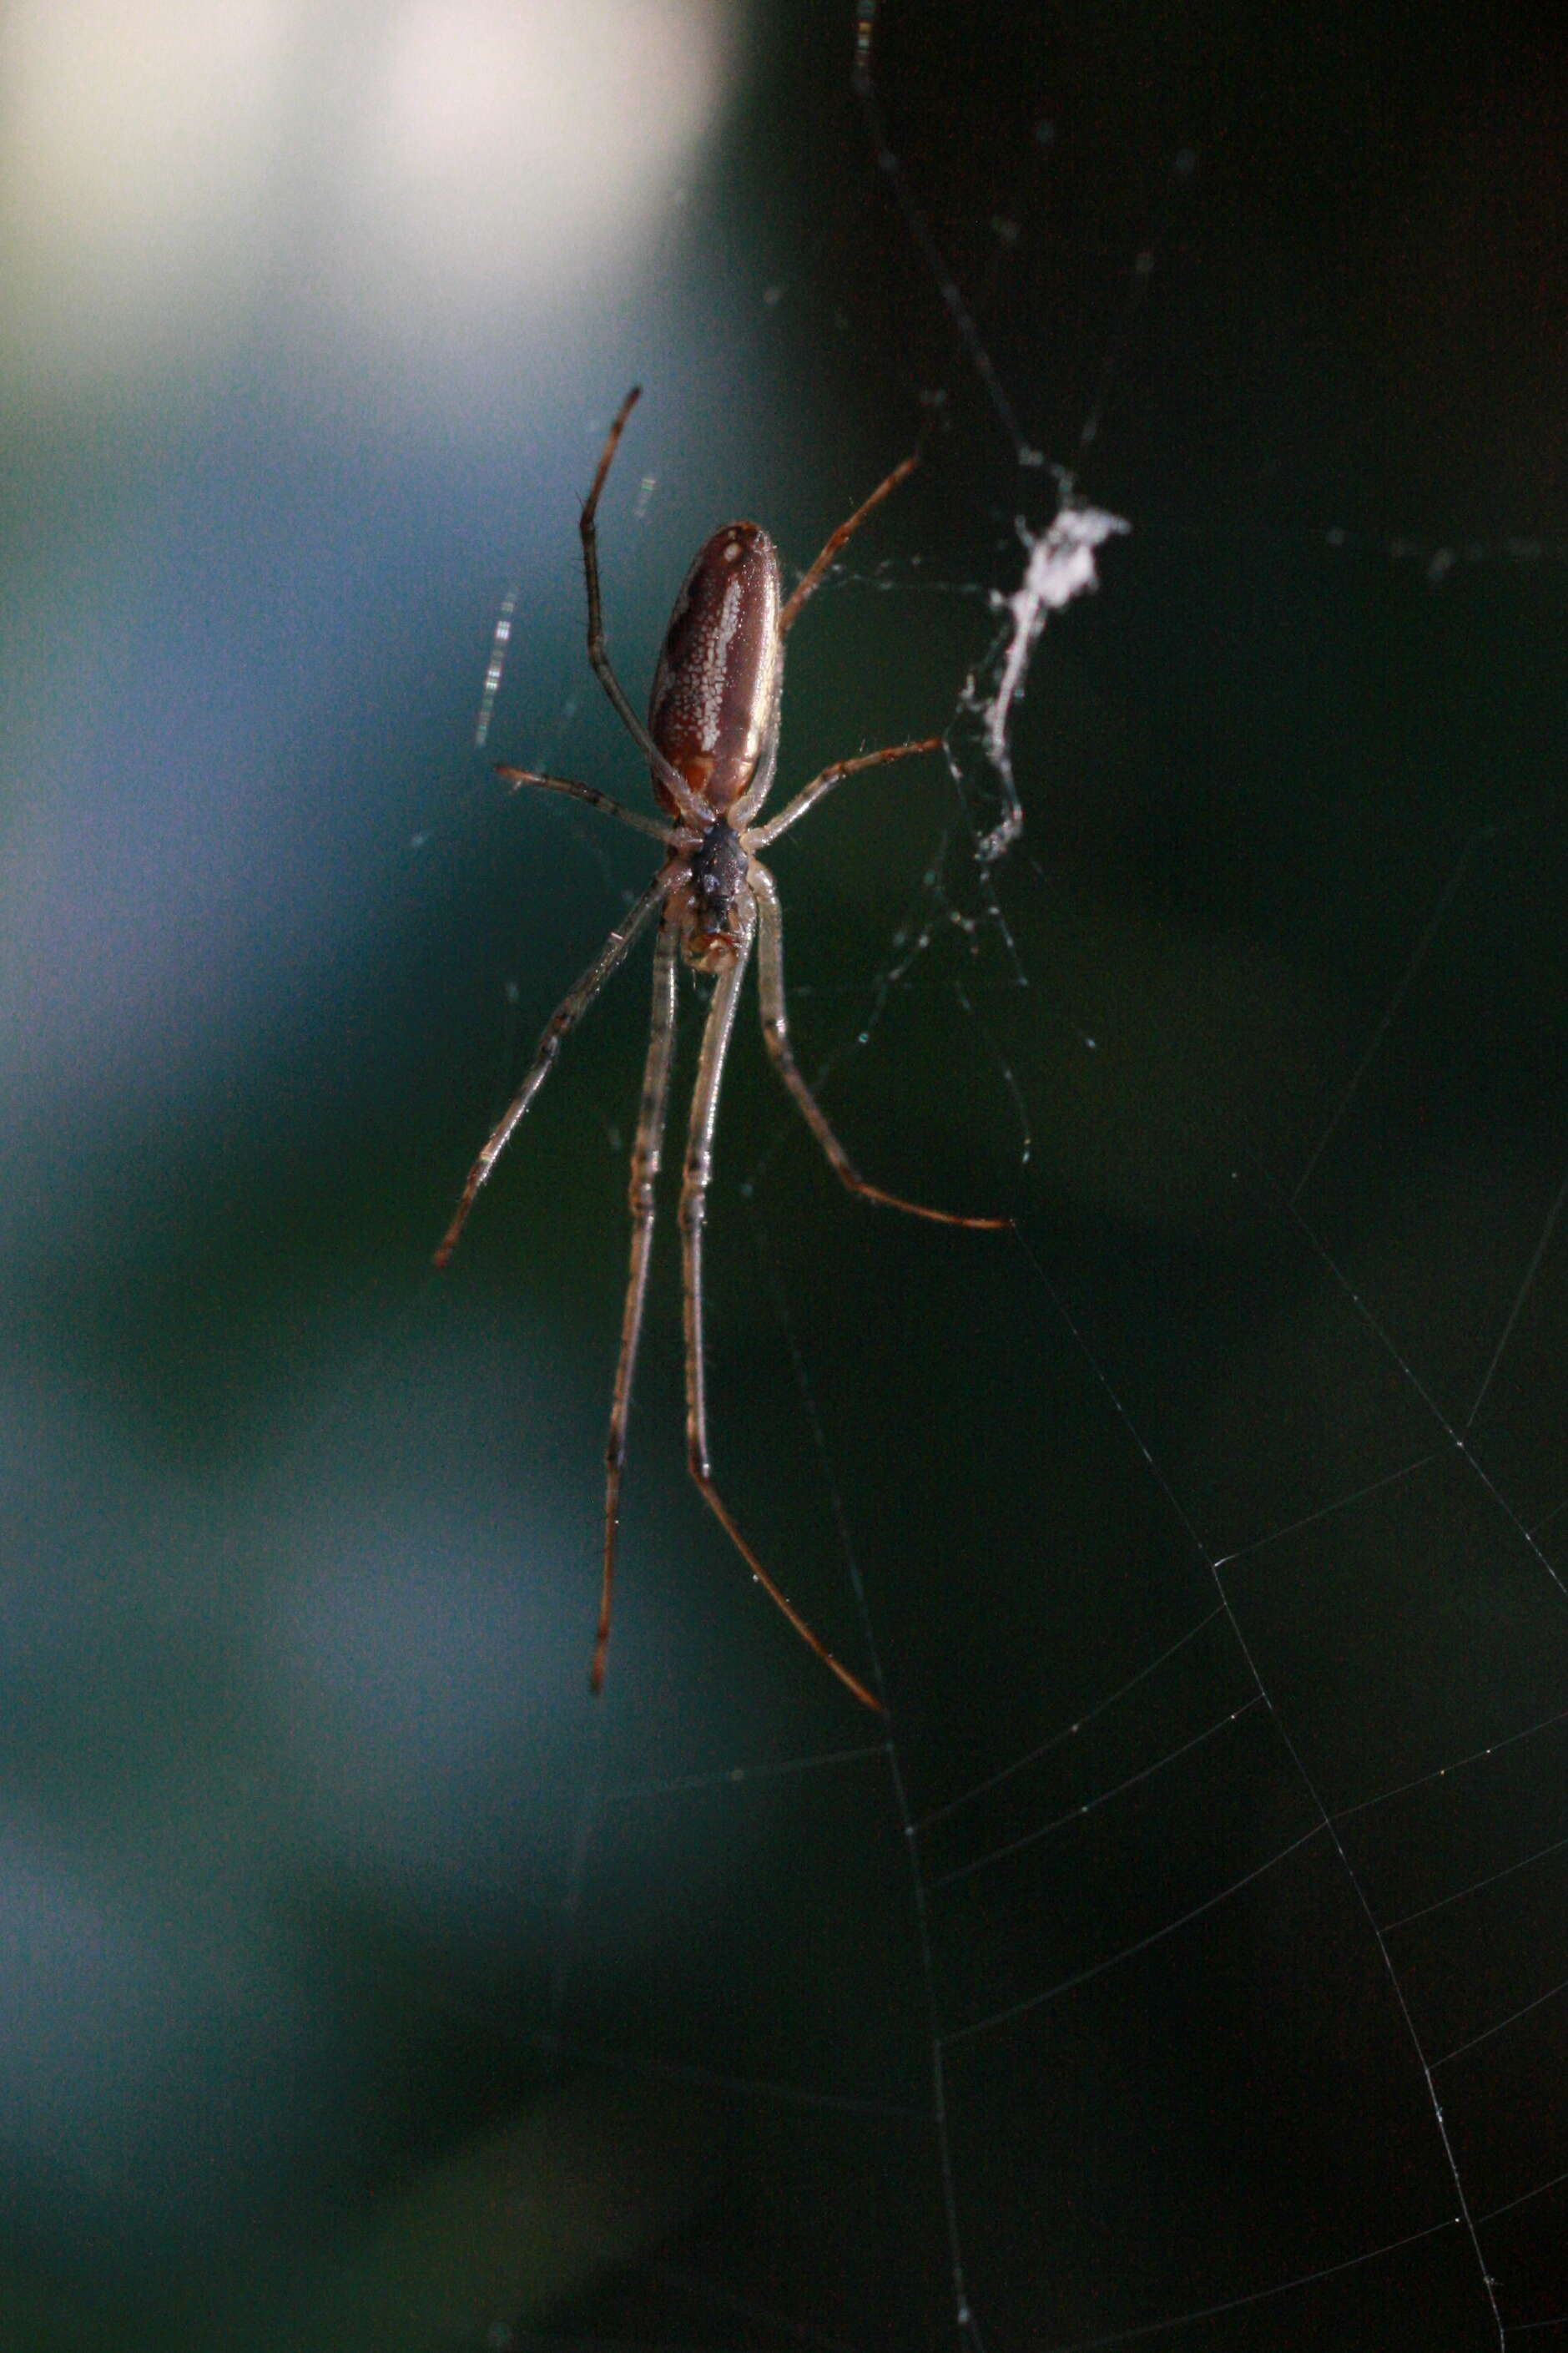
pixel 712 743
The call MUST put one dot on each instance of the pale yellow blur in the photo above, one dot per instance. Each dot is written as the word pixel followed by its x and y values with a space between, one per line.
pixel 375 178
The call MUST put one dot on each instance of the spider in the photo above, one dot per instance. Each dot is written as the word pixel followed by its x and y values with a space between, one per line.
pixel 712 743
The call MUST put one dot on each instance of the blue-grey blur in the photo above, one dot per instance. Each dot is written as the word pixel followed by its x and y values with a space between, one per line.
pixel 364 1984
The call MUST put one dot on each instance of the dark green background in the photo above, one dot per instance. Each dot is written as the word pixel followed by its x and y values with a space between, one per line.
pixel 363 1986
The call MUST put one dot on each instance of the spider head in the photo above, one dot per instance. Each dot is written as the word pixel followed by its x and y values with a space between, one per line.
pixel 716 909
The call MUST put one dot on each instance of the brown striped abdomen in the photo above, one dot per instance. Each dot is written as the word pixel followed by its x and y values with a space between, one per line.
pixel 714 706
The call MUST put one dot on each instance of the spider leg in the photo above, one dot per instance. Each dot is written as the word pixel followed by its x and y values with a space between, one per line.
pixel 599 660
pixel 776 1031
pixel 693 1215
pixel 846 531
pixel 589 793
pixel 565 1018
pixel 646 1154
pixel 759 835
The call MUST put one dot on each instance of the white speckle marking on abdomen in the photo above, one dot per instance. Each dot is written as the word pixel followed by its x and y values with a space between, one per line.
pixel 708 684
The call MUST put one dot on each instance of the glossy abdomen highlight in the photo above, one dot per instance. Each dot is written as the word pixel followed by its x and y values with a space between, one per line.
pixel 713 712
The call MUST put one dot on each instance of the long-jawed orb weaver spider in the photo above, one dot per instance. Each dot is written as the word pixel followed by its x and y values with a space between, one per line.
pixel 712 743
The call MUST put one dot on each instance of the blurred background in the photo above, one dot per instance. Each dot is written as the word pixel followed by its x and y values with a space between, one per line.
pixel 362 1983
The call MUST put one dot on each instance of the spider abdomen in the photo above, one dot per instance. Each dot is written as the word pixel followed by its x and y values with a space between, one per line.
pixel 713 712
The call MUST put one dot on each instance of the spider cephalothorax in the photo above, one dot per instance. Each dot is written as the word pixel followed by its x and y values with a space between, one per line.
pixel 712 744
pixel 716 911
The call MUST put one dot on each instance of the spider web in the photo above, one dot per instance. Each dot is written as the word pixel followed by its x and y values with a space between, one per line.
pixel 1185 1962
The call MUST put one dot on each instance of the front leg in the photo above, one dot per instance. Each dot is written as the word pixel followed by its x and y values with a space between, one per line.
pixel 561 1024
pixel 646 1154
pixel 693 1217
